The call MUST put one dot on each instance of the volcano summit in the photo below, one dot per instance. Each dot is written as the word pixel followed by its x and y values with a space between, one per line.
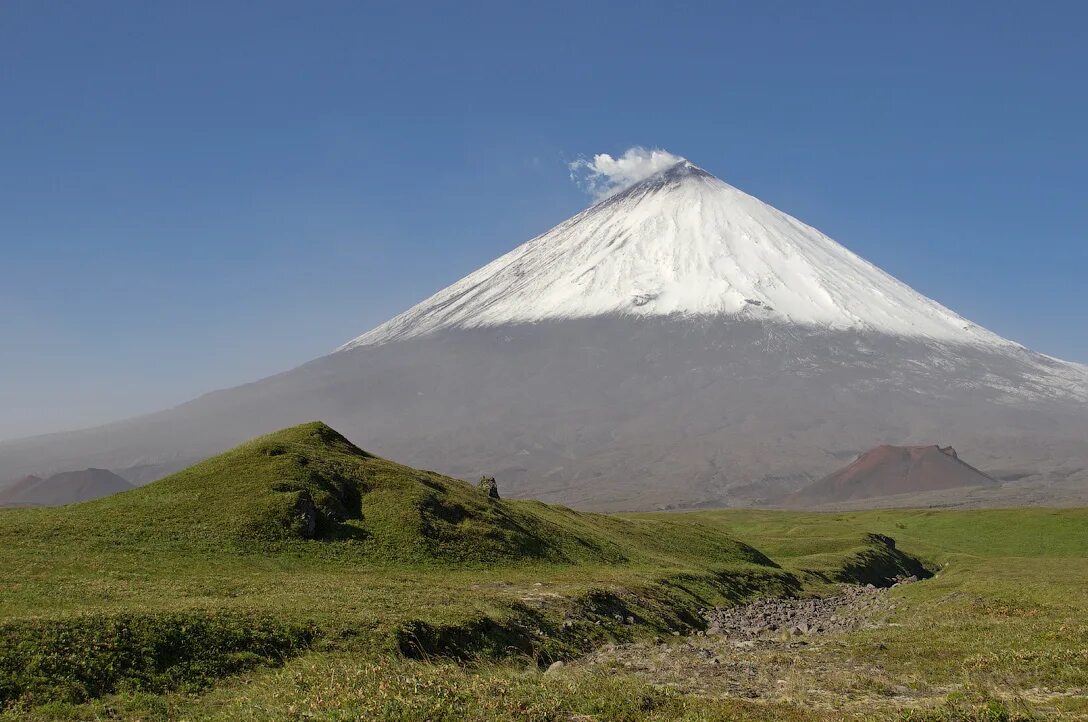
pixel 683 243
pixel 678 343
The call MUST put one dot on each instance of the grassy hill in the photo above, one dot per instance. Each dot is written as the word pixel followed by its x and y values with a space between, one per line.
pixel 299 574
pixel 308 490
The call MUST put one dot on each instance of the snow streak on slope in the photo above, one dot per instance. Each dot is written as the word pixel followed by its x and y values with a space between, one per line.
pixel 683 242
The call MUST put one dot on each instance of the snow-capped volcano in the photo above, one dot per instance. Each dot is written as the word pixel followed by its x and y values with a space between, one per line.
pixel 677 343
pixel 683 242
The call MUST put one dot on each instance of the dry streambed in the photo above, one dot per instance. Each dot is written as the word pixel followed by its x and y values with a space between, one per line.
pixel 775 649
pixel 851 609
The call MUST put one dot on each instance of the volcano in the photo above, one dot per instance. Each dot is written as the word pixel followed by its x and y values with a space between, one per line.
pixel 892 471
pixel 678 344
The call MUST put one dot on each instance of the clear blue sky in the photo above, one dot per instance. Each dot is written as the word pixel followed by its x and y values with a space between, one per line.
pixel 194 195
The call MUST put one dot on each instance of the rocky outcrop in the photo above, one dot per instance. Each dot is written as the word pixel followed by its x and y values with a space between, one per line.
pixel 489 486
pixel 307 515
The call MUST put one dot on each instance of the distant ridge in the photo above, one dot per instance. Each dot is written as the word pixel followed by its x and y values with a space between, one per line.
pixel 64 488
pixel 891 470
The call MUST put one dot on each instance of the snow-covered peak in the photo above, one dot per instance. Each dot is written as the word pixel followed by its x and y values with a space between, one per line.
pixel 683 242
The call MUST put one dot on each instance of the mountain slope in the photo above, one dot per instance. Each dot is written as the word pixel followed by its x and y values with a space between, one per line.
pixel 893 470
pixel 678 344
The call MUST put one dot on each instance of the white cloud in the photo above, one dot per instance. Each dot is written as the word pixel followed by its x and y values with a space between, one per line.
pixel 604 175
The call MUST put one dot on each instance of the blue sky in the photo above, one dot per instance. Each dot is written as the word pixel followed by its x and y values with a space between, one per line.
pixel 194 195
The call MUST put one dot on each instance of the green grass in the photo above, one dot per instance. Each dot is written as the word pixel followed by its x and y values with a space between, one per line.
pixel 298 574
pixel 71 660
pixel 353 687
pixel 1008 611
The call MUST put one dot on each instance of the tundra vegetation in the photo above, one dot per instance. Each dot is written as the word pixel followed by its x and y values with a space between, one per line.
pixel 298 577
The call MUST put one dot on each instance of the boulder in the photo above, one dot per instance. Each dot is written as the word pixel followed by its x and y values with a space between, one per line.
pixel 489 486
